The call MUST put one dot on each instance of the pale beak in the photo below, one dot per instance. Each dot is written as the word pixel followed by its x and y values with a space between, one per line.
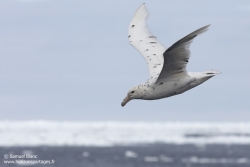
pixel 126 100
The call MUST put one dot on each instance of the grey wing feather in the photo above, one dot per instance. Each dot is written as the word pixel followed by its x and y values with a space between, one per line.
pixel 177 56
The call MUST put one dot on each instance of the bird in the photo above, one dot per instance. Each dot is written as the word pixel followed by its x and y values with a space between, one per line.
pixel 167 67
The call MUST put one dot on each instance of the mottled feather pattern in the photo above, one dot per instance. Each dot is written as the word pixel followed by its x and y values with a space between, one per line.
pixel 145 42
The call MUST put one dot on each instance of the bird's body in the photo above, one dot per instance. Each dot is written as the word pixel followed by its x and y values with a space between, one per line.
pixel 149 90
pixel 167 67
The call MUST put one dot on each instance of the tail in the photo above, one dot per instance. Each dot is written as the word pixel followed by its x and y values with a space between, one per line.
pixel 211 73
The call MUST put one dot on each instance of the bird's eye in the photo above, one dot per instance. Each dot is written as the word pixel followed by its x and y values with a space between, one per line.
pixel 132 92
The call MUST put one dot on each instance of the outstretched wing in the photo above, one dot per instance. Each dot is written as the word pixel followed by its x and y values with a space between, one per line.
pixel 145 42
pixel 176 57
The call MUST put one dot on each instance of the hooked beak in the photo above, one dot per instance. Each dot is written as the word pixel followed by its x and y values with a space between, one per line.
pixel 126 100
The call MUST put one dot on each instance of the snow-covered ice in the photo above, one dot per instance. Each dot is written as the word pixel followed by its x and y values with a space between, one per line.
pixel 55 133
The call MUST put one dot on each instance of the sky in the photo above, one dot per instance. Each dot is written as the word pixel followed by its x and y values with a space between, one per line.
pixel 71 60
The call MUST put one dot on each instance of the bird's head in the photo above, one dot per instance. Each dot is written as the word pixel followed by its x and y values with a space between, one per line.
pixel 133 93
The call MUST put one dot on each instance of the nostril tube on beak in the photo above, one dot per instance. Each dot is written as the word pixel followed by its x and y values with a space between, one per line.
pixel 125 101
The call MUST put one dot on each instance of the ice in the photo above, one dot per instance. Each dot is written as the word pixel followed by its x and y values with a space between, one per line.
pixel 166 159
pixel 130 154
pixel 85 154
pixel 243 160
pixel 150 159
pixel 55 133
pixel 196 160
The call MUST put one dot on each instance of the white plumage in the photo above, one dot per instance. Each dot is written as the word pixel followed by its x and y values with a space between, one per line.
pixel 167 67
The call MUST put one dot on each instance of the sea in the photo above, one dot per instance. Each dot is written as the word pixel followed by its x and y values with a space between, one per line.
pixel 124 144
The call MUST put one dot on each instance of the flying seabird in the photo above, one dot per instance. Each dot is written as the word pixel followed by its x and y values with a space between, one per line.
pixel 167 67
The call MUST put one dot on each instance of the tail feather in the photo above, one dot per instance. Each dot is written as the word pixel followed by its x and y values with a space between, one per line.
pixel 211 72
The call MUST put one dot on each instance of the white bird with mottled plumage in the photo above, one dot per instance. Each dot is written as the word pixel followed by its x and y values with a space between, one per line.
pixel 167 67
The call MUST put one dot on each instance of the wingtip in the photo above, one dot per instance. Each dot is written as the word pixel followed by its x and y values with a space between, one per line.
pixel 208 25
pixel 143 6
pixel 200 30
pixel 141 13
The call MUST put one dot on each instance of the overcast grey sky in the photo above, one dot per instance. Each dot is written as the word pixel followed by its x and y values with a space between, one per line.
pixel 71 60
